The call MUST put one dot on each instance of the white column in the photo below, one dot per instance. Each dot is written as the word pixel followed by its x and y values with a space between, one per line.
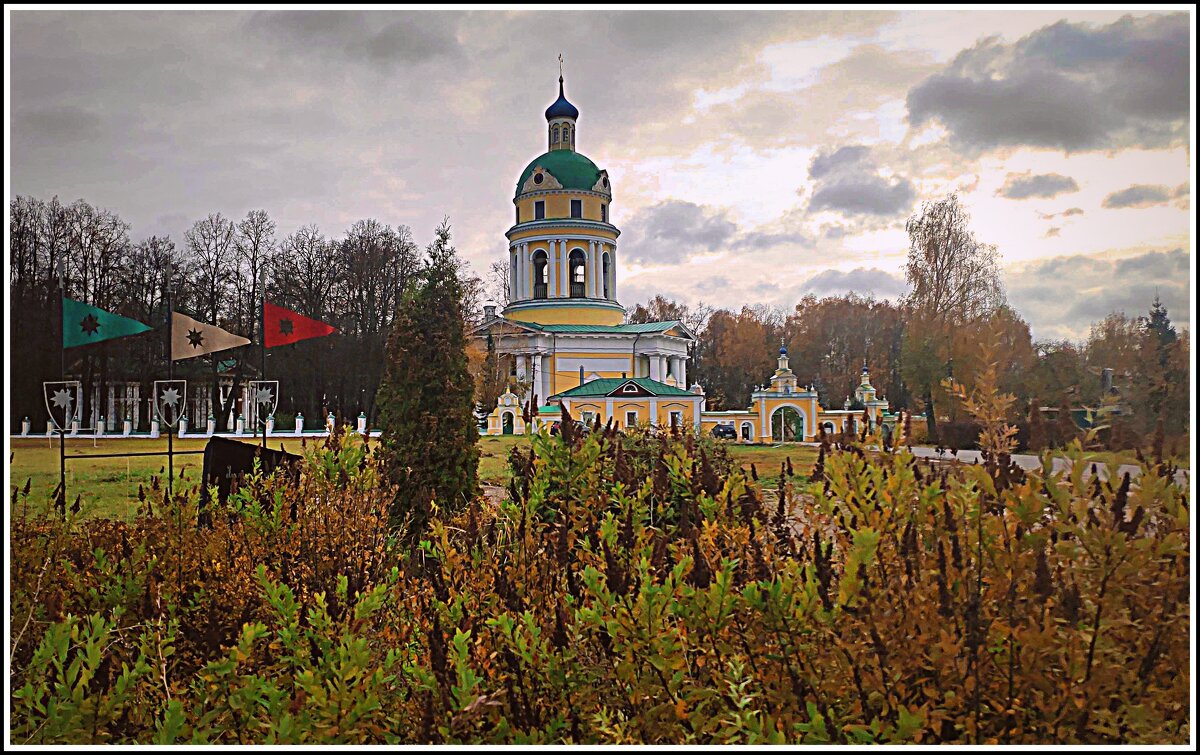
pixel 662 367
pixel 682 373
pixel 514 273
pixel 764 431
pixel 594 278
pixel 598 270
pixel 590 289
pixel 536 378
pixel 522 366
pixel 565 275
pixel 612 272
pixel 547 378
pixel 523 281
pixel 655 373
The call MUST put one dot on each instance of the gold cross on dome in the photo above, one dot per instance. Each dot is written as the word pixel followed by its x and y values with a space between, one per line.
pixel 560 64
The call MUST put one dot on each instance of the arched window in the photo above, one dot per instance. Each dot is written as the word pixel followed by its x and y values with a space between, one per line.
pixel 540 277
pixel 578 269
pixel 605 278
pixel 554 135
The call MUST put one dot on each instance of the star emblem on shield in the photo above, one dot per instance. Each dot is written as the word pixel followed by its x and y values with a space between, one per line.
pixel 265 395
pixel 170 399
pixel 61 402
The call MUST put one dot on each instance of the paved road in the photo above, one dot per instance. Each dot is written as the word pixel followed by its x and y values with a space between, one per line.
pixel 1029 461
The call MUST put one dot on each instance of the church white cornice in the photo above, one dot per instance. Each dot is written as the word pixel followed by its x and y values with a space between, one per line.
pixel 560 190
pixel 568 223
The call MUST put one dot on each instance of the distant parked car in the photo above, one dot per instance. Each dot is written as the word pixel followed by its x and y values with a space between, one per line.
pixel 580 427
pixel 724 431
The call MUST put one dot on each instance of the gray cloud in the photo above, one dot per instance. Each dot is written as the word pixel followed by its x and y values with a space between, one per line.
pixel 860 280
pixel 847 180
pixel 671 231
pixel 825 163
pixel 1067 86
pixel 65 123
pixel 1138 195
pixel 1024 186
pixel 1061 297
pixel 371 36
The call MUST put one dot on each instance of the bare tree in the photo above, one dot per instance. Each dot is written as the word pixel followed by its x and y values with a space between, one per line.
pixel 212 260
pixel 499 282
pixel 954 279
pixel 305 272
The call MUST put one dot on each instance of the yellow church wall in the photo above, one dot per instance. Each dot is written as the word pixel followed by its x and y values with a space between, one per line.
pixel 708 423
pixel 621 408
pixel 567 315
pixel 577 409
pixel 558 207
pixel 665 407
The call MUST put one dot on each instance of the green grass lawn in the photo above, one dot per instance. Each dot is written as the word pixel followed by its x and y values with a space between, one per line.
pixel 108 487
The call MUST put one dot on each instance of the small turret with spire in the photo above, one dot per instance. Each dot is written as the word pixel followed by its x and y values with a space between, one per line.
pixel 784 380
pixel 562 116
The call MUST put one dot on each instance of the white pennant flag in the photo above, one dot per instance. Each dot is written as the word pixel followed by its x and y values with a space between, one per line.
pixel 192 338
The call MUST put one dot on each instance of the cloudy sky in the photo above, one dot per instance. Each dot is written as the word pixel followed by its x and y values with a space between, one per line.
pixel 755 156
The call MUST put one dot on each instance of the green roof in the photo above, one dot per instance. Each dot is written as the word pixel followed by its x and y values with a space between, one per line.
pixel 571 169
pixel 605 386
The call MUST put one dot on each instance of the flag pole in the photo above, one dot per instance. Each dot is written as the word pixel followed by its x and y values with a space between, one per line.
pixel 170 376
pixel 62 431
pixel 262 336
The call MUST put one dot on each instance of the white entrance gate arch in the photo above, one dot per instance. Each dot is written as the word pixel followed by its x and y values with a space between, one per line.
pixel 803 420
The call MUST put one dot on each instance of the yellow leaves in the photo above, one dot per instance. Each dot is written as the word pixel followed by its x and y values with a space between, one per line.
pixel 681 709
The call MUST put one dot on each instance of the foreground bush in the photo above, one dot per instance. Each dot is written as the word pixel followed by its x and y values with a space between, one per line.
pixel 628 589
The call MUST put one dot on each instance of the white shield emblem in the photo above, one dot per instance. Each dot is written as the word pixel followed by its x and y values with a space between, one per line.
pixel 265 395
pixel 61 402
pixel 170 398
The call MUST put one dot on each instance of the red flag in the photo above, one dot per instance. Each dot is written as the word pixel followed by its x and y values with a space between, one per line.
pixel 283 326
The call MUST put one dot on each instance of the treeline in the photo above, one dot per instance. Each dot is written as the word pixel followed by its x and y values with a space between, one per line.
pixel 217 270
pixel 955 313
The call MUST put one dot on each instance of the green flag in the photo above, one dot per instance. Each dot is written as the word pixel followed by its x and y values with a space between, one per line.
pixel 84 324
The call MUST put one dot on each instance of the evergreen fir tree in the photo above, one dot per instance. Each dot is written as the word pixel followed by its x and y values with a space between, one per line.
pixel 1159 324
pixel 429 444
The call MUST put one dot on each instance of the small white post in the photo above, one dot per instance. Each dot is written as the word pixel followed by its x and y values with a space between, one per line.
pixel 271 424
pixel 241 424
pixel 154 428
pixel 183 425
pixel 212 425
pixel 127 426
pixel 25 427
pixel 74 427
pixel 299 423
pixel 362 422
pixel 49 428
pixel 330 421
pixel 100 426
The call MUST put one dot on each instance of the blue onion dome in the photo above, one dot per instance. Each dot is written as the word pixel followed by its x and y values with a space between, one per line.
pixel 783 351
pixel 561 108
